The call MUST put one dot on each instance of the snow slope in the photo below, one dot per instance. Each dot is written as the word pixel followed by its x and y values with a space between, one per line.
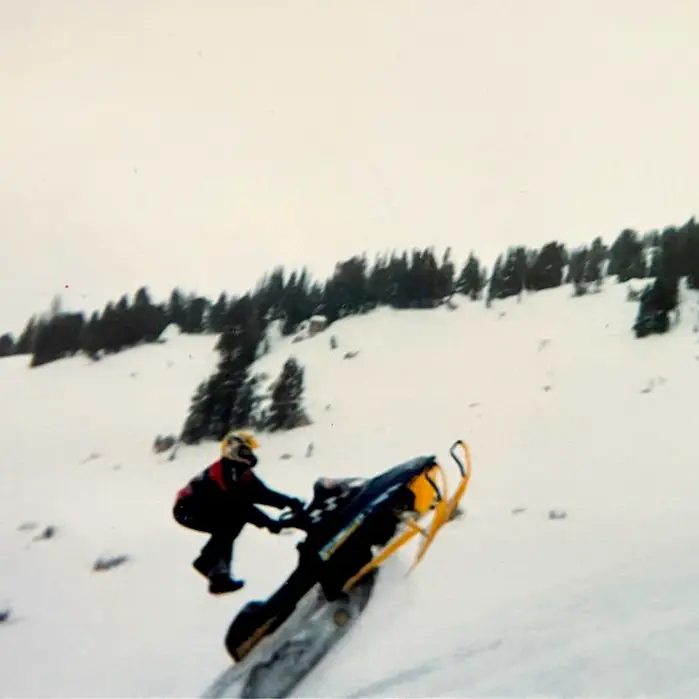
pixel 562 409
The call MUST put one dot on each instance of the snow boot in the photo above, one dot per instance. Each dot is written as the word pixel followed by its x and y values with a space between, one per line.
pixel 221 583
pixel 203 566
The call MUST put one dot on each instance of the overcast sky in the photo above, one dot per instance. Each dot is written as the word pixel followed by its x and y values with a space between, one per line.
pixel 197 142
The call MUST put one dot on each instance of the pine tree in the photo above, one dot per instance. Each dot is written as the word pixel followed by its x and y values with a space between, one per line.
pixel 57 336
pixel 176 309
pixel 196 426
pixel 147 319
pixel 269 295
pixel 377 292
pixel 470 281
pixel 596 256
pixel 627 257
pixel 7 345
pixel 216 317
pixel 495 285
pixel 346 292
pixel 513 272
pixel 576 266
pixel 195 310
pixel 445 278
pixel 655 264
pixel 546 269
pixel 91 339
pixel 295 303
pixel 286 410
pixel 26 339
pixel 243 332
pixel 397 281
pixel 244 405
pixel 226 383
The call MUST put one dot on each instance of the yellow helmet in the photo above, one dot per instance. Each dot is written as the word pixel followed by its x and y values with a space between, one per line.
pixel 238 445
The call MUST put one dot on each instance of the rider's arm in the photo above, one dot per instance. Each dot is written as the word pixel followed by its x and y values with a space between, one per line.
pixel 258 518
pixel 264 495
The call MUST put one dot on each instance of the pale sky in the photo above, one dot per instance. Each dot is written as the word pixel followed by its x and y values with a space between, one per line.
pixel 202 142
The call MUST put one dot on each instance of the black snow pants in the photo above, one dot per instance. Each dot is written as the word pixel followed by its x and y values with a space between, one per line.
pixel 215 517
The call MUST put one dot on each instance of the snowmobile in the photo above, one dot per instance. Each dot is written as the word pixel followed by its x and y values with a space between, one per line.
pixel 352 526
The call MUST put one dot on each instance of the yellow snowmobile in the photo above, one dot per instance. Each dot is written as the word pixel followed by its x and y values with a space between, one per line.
pixel 352 527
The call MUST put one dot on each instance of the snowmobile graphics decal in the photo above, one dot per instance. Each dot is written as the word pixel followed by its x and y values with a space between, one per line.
pixel 331 504
pixel 329 549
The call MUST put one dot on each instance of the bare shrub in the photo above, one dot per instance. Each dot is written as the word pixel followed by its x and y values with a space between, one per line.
pixel 109 562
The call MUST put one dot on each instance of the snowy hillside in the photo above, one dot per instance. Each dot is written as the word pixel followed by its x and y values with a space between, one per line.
pixel 573 571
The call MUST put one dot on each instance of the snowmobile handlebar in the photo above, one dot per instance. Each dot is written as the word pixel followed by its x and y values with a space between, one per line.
pixel 290 519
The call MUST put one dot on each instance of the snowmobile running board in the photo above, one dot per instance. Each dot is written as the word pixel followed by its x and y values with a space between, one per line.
pixel 442 513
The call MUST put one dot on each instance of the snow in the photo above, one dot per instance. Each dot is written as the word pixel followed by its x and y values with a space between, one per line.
pixel 171 332
pixel 506 603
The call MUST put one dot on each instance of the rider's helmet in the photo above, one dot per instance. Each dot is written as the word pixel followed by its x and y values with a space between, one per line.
pixel 239 446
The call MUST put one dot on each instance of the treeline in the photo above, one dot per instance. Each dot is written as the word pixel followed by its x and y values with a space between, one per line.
pixel 229 397
pixel 416 279
pixel 58 334
pixel 411 279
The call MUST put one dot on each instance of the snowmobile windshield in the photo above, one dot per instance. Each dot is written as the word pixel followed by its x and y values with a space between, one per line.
pixel 336 486
pixel 343 483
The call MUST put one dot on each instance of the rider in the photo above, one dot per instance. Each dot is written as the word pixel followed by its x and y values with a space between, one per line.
pixel 221 501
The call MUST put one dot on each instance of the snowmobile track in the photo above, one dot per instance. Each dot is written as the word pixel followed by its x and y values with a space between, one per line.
pixel 289 658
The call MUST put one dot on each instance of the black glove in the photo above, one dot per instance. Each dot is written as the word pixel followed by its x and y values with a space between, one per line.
pixel 274 526
pixel 295 505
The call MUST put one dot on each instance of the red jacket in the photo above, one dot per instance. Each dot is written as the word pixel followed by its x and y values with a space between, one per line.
pixel 239 487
